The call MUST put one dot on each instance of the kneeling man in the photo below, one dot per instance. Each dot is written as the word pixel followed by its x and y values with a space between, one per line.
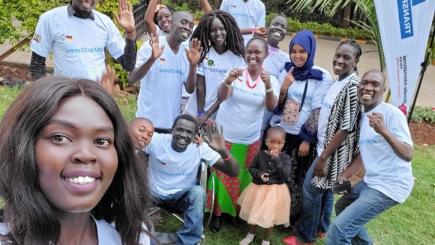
pixel 174 161
pixel 386 152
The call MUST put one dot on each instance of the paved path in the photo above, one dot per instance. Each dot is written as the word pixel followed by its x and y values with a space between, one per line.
pixel 325 52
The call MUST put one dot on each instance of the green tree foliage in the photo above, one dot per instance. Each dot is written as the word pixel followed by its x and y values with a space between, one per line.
pixel 18 18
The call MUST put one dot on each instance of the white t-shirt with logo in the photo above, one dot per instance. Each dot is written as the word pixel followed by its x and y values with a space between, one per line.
pixel 160 89
pixel 241 114
pixel 78 44
pixel 325 111
pixel 385 171
pixel 316 90
pixel 171 171
pixel 275 61
pixel 274 64
pixel 251 13
pixel 213 68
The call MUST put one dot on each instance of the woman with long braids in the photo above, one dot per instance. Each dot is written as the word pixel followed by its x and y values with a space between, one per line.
pixel 222 50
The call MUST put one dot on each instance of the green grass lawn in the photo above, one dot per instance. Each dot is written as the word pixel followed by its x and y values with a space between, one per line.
pixel 410 223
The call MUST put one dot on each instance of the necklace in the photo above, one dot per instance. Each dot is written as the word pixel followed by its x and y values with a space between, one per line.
pixel 249 82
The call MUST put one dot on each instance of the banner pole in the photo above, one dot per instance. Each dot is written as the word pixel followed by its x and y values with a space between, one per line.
pixel 423 70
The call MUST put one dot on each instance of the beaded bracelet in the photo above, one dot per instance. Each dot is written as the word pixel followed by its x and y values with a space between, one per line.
pixel 269 90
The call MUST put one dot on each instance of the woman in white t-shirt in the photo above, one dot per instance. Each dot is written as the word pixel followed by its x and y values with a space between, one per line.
pixel 158 18
pixel 223 50
pixel 246 92
pixel 337 140
pixel 303 88
pixel 275 61
pixel 67 172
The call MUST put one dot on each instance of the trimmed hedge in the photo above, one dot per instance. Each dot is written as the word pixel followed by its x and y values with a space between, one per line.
pixel 324 28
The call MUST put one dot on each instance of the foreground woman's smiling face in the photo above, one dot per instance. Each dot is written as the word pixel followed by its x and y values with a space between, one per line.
pixel 76 156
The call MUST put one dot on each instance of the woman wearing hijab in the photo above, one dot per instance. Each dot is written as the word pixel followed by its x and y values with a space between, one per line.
pixel 303 88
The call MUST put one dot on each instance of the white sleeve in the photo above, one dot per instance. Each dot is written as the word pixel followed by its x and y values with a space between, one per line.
pixel 321 88
pixel 275 85
pixel 209 155
pixel 143 54
pixel 154 144
pixel 261 16
pixel 399 127
pixel 224 6
pixel 200 69
pixel 42 41
pixel 116 43
pixel 144 239
pixel 282 76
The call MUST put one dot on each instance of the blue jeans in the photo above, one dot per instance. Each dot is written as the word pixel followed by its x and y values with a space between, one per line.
pixel 348 226
pixel 191 202
pixel 316 209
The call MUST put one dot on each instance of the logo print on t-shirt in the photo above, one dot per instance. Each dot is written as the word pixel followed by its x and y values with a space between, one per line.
pixel 162 163
pixel 37 37
pixel 162 60
pixel 68 37
pixel 210 62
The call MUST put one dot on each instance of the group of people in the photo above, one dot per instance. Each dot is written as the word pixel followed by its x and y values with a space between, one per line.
pixel 278 132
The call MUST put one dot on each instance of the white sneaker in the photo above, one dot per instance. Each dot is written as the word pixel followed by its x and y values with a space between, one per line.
pixel 247 240
pixel 265 242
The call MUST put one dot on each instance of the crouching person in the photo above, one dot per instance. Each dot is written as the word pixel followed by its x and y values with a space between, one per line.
pixel 174 160
pixel 386 153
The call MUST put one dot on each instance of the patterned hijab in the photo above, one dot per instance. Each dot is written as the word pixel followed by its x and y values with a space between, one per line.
pixel 307 41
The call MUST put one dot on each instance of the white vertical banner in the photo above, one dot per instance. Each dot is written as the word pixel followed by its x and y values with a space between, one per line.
pixel 404 26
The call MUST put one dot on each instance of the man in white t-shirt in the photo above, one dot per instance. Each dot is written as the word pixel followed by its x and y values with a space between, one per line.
pixel 164 65
pixel 385 152
pixel 78 36
pixel 250 16
pixel 173 167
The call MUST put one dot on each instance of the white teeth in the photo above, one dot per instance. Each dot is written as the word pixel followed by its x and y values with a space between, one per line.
pixel 366 96
pixel 276 34
pixel 184 35
pixel 81 180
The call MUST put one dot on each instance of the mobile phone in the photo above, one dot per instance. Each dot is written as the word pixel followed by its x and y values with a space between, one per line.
pixel 342 188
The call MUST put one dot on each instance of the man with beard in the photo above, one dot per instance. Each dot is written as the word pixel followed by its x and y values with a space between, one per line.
pixel 78 36
pixel 173 166
pixel 386 153
pixel 164 65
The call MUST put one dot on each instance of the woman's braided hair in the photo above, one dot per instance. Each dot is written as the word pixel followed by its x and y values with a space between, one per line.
pixel 234 39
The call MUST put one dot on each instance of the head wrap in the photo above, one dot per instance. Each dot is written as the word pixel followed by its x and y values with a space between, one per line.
pixel 307 41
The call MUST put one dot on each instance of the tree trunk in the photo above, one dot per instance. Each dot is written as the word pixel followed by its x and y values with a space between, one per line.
pixel 346 15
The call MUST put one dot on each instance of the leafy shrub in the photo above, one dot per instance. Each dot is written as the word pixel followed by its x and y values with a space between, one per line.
pixel 423 114
pixel 323 28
